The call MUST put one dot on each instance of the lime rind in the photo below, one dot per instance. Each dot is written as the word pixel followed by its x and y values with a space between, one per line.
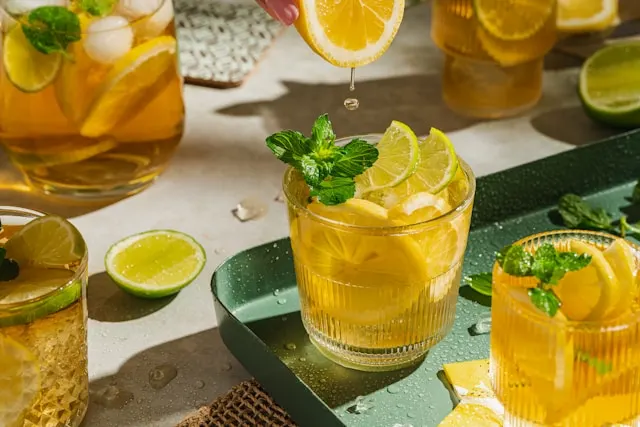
pixel 146 290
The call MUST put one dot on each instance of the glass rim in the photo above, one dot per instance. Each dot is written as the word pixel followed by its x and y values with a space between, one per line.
pixel 13 18
pixel 32 213
pixel 449 216
pixel 539 317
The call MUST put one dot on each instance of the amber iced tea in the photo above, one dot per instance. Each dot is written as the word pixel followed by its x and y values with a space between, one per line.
pixel 43 319
pixel 102 116
pixel 494 53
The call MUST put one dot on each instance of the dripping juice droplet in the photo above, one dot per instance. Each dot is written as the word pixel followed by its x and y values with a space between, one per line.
pixel 352 103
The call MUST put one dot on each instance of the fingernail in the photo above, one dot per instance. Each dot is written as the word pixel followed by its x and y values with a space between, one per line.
pixel 289 14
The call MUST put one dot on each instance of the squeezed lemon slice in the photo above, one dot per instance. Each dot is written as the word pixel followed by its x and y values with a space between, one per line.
pixel 586 15
pixel 28 69
pixel 130 83
pixel 20 379
pixel 349 33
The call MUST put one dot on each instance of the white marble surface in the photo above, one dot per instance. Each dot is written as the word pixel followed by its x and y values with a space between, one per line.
pixel 223 159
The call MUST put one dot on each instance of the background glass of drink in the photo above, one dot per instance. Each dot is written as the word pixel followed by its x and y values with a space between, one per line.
pixel 494 52
pixel 99 115
pixel 43 332
pixel 375 296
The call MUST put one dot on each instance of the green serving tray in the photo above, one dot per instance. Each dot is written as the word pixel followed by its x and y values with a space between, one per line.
pixel 258 312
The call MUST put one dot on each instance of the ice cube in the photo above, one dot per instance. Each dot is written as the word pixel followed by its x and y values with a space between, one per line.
pixel 156 23
pixel 483 326
pixel 136 9
pixel 108 39
pixel 18 7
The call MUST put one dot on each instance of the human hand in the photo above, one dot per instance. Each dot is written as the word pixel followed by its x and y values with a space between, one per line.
pixel 285 11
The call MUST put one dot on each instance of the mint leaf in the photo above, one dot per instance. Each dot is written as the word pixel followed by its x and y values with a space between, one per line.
pixel 545 300
pixel 571 261
pixel 480 282
pixel 322 135
pixel 334 191
pixel 515 261
pixel 51 29
pixel 600 366
pixel 9 269
pixel 314 171
pixel 97 7
pixel 635 197
pixel 288 146
pixel 576 213
pixel 3 254
pixel 355 158
pixel 549 265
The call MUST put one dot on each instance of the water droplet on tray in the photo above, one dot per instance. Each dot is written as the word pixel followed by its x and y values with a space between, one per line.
pixel 303 359
pixel 362 405
pixel 113 397
pixel 276 292
pixel 290 346
pixel 281 301
pixel 393 389
pixel 226 367
pixel 199 384
pixel 280 197
pixel 162 375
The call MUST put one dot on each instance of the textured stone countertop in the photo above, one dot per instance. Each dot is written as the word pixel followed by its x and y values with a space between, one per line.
pixel 223 159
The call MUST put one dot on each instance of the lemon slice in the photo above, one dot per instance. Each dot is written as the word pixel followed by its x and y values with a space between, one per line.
pixel 48 241
pixel 513 19
pixel 20 379
pixel 589 293
pixel 623 262
pixel 129 84
pixel 156 263
pixel 353 211
pixel 60 151
pixel 586 15
pixel 398 157
pixel 419 207
pixel 349 33
pixel 28 69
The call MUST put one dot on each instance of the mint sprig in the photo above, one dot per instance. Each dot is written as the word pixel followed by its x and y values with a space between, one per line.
pixel 50 29
pixel 328 170
pixel 481 283
pixel 576 213
pixel 547 265
pixel 97 7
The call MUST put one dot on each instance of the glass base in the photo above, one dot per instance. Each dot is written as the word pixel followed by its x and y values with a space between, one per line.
pixel 370 360
pixel 487 90
pixel 91 193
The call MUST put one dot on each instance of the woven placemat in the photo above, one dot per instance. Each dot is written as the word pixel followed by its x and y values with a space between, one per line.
pixel 245 405
pixel 221 42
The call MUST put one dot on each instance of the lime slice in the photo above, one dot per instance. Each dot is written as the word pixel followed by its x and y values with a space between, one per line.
pixel 28 69
pixel 513 19
pixel 48 241
pixel 20 379
pixel 398 157
pixel 156 263
pixel 610 85
pixel 589 293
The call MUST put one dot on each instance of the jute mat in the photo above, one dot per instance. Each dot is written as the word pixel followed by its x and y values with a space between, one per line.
pixel 245 405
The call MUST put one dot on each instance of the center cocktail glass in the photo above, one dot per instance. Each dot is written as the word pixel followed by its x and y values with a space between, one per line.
pixel 579 367
pixel 43 321
pixel 91 102
pixel 378 276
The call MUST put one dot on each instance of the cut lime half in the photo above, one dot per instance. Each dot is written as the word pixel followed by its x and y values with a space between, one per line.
pixel 398 157
pixel 156 263
pixel 610 85
pixel 28 69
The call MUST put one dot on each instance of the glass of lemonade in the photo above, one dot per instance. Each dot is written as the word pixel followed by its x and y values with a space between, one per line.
pixel 43 321
pixel 378 275
pixel 579 366
pixel 91 99
pixel 494 52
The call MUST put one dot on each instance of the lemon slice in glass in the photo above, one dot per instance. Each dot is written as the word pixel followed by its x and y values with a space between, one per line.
pixel 513 19
pixel 156 263
pixel 20 379
pixel 621 257
pixel 28 69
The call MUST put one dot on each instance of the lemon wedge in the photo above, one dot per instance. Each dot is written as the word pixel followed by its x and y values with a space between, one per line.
pixel 586 15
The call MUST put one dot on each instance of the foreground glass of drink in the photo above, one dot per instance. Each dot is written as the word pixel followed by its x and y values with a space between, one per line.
pixel 90 94
pixel 378 276
pixel 579 366
pixel 494 52
pixel 43 321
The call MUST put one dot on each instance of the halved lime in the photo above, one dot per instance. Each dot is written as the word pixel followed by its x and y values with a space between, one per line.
pixel 20 378
pixel 610 85
pixel 398 157
pixel 48 241
pixel 28 69
pixel 513 19
pixel 156 263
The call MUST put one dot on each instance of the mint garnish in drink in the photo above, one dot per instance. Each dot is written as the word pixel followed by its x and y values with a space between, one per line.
pixel 547 265
pixel 51 29
pixel 328 169
pixel 97 7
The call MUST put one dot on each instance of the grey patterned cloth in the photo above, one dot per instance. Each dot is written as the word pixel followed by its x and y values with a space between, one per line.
pixel 221 43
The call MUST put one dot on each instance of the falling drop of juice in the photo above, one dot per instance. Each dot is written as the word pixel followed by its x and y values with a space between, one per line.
pixel 352 104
